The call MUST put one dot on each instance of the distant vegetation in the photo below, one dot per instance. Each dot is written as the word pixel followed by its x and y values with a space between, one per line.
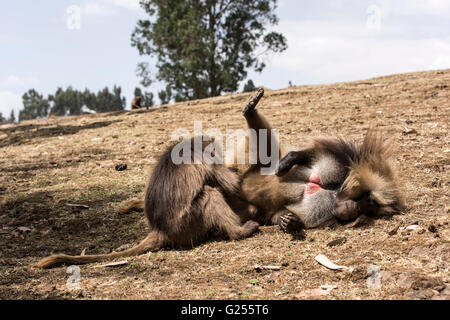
pixel 70 102
pixel 202 49
pixel 11 119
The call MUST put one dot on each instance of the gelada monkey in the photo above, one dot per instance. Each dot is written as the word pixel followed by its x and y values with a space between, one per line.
pixel 185 204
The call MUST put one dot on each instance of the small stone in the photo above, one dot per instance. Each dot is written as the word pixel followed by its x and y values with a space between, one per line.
pixel 337 242
pixel 121 167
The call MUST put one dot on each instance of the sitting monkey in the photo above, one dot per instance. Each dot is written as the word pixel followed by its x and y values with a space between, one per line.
pixel 136 103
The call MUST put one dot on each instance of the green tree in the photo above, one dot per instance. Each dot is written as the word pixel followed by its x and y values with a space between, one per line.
pixel 66 102
pixel 119 102
pixel 89 99
pixel 138 92
pixel 2 120
pixel 12 117
pixel 205 47
pixel 249 86
pixel 71 101
pixel 165 95
pixel 35 106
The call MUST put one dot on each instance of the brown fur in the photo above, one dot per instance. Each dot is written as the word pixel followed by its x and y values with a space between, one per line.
pixel 356 179
pixel 372 180
pixel 136 103
pixel 130 205
pixel 184 205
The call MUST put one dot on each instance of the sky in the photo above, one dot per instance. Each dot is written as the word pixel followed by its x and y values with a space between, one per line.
pixel 43 45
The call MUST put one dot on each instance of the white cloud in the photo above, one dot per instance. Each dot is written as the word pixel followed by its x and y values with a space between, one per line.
pixel 128 4
pixel 97 9
pixel 13 81
pixel 332 51
pixel 10 101
pixel 416 7
pixel 108 8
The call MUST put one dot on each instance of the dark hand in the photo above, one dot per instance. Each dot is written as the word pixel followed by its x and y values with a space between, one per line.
pixel 289 160
pixel 290 223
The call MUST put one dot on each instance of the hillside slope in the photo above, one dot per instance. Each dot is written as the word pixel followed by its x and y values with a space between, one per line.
pixel 47 164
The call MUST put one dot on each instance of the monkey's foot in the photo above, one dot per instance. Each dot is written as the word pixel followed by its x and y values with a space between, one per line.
pixel 290 223
pixel 253 101
pixel 250 227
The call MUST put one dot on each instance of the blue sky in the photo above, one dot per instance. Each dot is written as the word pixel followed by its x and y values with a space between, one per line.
pixel 329 41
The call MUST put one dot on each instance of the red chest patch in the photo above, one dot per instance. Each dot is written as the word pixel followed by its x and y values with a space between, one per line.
pixel 313 186
pixel 314 177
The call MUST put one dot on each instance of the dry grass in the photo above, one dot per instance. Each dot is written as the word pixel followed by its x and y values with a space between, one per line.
pixel 46 164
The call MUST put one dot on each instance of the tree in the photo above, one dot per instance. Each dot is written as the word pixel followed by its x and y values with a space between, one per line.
pixel 119 103
pixel 89 99
pixel 70 101
pixel 2 120
pixel 147 99
pixel 12 117
pixel 205 47
pixel 66 102
pixel 35 106
pixel 165 95
pixel 249 86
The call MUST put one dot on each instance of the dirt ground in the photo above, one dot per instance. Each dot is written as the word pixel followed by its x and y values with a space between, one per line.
pixel 48 164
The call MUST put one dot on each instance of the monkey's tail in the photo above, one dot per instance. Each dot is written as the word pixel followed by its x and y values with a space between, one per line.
pixel 153 242
pixel 130 205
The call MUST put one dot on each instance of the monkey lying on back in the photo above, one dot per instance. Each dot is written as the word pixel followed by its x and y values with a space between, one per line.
pixel 185 204
pixel 342 181
pixel 331 180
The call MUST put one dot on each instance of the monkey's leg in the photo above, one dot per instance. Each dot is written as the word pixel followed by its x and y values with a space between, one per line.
pixel 257 121
pixel 315 210
pixel 217 214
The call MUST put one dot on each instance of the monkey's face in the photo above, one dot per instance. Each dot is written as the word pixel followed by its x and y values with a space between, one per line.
pixel 365 191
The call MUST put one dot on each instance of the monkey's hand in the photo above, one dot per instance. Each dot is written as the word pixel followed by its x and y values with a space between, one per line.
pixel 288 161
pixel 290 223
pixel 345 210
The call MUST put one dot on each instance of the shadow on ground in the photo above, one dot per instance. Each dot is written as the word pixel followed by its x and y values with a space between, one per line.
pixel 37 224
pixel 23 134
